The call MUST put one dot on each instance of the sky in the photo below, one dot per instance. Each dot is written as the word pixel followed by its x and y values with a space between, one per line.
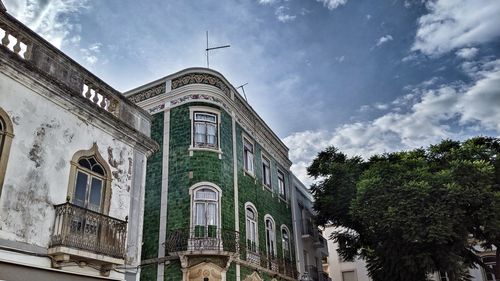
pixel 365 76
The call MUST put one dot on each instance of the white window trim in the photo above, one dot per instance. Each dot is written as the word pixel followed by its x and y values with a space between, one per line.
pixel 284 198
pixel 192 110
pixel 270 186
pixel 266 217
pixel 289 241
pixel 249 140
pixel 252 206
pixel 219 201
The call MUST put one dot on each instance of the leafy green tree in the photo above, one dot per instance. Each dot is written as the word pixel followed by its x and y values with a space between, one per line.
pixel 412 213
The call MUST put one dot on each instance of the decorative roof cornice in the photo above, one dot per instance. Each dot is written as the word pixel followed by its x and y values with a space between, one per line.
pixel 2 7
pixel 229 99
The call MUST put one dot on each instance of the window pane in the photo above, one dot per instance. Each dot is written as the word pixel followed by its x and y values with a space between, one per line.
pixel 200 133
pixel 85 163
pixel 199 214
pixel 212 214
pixel 348 276
pixel 98 169
pixel 205 194
pixel 80 189
pixel 211 134
pixel 205 117
pixel 95 195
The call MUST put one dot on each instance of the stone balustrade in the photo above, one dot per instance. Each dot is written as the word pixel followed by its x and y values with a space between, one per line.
pixel 43 57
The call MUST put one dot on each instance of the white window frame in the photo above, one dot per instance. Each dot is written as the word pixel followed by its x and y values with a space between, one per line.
pixel 272 236
pixel 249 221
pixel 281 189
pixel 192 193
pixel 248 164
pixel 268 159
pixel 207 110
pixel 285 228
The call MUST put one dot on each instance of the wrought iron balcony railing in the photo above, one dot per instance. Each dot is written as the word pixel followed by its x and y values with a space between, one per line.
pixel 202 238
pixel 80 228
pixel 313 272
pixel 271 262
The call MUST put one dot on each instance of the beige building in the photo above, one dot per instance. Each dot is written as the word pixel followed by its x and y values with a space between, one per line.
pixel 72 166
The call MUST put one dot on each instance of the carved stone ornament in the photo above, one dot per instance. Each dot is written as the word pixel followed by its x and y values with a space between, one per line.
pixel 148 93
pixel 201 78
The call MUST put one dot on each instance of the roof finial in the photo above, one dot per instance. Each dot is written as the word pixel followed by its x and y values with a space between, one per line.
pixel 2 7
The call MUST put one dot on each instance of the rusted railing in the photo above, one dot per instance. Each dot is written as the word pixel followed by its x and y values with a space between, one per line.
pixel 57 66
pixel 202 238
pixel 80 228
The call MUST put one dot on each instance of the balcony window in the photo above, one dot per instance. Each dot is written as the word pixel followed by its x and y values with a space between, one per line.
pixel 285 240
pixel 205 211
pixel 205 130
pixel 270 237
pixel 251 229
pixel 248 151
pixel 6 135
pixel 90 181
pixel 281 185
pixel 266 172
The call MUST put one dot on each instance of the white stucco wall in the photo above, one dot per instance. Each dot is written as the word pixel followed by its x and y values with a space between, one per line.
pixel 46 138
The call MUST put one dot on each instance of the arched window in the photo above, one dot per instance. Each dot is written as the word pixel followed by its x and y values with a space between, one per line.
pixel 205 211
pixel 90 181
pixel 251 228
pixel 6 135
pixel 270 236
pixel 285 240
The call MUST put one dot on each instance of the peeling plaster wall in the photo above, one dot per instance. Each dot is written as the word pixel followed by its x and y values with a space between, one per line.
pixel 46 138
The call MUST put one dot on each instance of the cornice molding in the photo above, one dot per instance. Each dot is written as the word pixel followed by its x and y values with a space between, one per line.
pixel 209 94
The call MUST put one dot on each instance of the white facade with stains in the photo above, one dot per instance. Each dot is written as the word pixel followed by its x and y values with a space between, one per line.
pixel 52 119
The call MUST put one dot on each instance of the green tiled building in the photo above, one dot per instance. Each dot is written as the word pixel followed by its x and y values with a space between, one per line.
pixel 217 204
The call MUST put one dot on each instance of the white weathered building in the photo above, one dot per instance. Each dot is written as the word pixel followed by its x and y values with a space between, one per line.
pixel 311 246
pixel 72 166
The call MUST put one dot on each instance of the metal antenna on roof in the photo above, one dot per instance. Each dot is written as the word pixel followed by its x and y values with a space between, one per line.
pixel 243 90
pixel 213 48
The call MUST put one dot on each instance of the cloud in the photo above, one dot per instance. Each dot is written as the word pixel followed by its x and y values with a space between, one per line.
pixel 432 113
pixel 467 53
pixel 267 2
pixel 90 54
pixel 384 39
pixel 452 24
pixel 332 4
pixel 47 18
pixel 282 15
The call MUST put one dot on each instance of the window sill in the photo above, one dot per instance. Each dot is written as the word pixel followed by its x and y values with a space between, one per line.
pixel 266 187
pixel 248 173
pixel 193 148
pixel 282 199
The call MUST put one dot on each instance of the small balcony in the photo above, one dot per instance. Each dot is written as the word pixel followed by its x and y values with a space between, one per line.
pixel 84 235
pixel 202 240
pixel 260 259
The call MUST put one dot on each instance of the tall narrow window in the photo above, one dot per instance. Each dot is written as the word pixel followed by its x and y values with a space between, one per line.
pixel 248 156
pixel 6 135
pixel 251 225
pixel 89 184
pixel 281 185
pixel 270 238
pixel 266 172
pixel 205 130
pixel 205 212
pixel 285 240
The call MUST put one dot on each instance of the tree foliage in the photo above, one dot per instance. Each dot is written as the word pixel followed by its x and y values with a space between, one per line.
pixel 412 213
